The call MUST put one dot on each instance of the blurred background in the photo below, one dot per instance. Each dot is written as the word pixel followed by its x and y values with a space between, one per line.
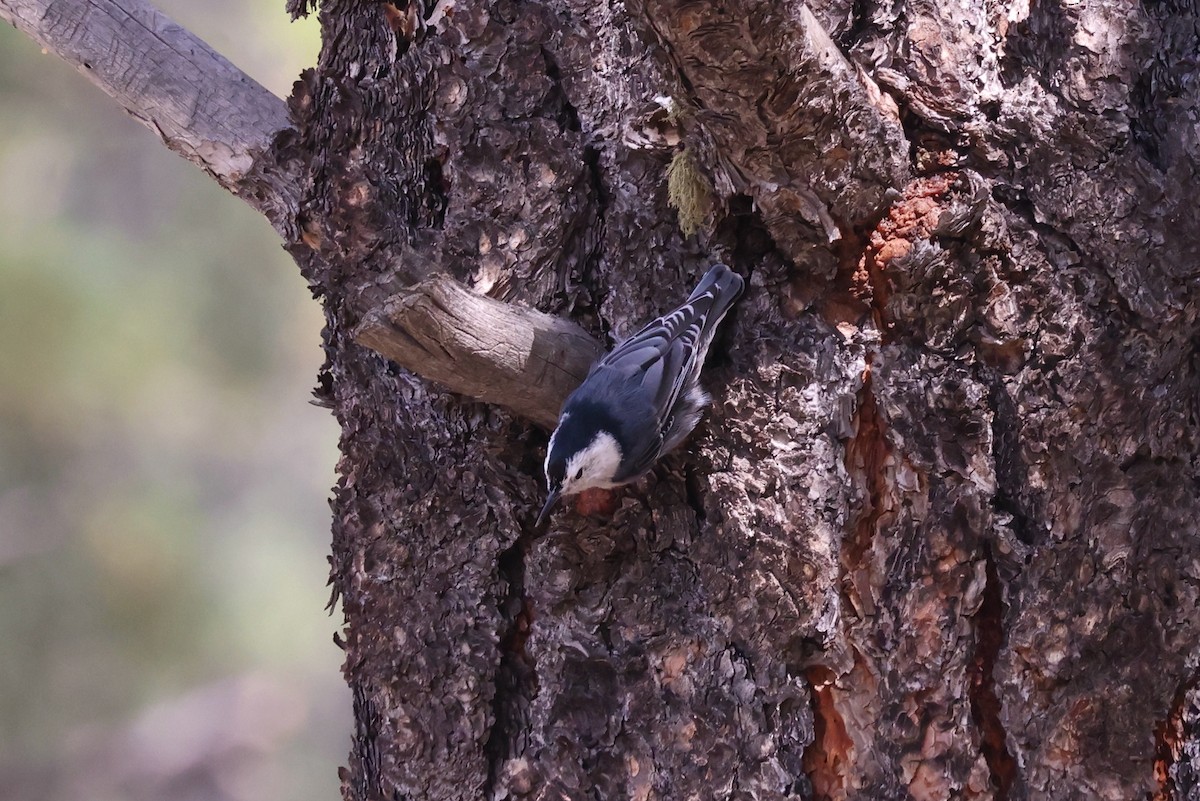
pixel 163 478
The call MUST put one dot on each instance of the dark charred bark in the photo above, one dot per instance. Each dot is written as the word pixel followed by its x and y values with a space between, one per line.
pixel 937 537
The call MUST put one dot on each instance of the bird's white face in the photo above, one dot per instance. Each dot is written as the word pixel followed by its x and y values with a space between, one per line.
pixel 594 466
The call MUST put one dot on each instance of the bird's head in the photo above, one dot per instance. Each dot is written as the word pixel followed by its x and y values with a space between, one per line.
pixel 581 456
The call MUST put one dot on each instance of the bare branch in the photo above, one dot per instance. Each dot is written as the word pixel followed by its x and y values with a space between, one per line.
pixel 200 105
pixel 496 352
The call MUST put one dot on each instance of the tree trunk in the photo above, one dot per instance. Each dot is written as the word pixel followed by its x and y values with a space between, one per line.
pixel 937 537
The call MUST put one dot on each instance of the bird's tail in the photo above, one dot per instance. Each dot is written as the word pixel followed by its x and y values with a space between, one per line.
pixel 712 299
pixel 719 289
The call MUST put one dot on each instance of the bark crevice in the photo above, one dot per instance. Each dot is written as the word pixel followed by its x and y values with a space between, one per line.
pixel 516 674
pixel 831 751
pixel 364 782
pixel 869 461
pixel 985 702
pixel 867 457
pixel 1011 472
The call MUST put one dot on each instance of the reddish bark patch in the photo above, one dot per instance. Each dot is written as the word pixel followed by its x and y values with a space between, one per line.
pixel 867 458
pixel 828 756
pixel 402 21
pixel 1168 745
pixel 843 302
pixel 828 760
pixel 910 219
pixel 985 704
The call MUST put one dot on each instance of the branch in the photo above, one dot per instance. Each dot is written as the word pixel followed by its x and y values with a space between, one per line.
pixel 199 104
pixel 496 352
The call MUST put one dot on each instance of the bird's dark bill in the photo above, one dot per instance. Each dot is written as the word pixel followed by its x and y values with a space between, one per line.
pixel 549 505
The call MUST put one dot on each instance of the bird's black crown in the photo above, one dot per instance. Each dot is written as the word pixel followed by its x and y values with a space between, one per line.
pixel 583 421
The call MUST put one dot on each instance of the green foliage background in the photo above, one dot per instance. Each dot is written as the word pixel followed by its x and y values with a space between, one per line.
pixel 163 525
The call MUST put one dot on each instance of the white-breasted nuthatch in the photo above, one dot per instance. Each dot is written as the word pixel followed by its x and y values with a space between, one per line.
pixel 642 399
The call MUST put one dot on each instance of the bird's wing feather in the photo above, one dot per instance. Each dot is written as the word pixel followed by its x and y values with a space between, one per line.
pixel 664 358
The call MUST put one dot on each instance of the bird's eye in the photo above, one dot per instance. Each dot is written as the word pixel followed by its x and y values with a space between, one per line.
pixel 579 474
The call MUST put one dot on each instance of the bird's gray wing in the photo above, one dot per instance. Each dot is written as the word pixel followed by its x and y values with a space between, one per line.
pixel 650 370
pixel 646 370
pixel 669 351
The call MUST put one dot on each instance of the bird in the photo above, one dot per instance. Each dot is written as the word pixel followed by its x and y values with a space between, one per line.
pixel 641 400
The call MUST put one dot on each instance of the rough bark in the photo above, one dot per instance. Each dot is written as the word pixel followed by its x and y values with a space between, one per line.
pixel 937 535
pixel 937 538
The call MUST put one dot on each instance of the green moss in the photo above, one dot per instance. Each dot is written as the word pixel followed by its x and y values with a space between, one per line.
pixel 688 191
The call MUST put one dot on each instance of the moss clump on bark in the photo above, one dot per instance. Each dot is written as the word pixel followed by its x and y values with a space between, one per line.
pixel 688 192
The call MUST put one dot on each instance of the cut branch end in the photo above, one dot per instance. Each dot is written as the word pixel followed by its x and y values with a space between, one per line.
pixel 483 348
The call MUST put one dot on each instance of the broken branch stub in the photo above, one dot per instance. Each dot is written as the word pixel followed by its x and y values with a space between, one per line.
pixel 496 352
pixel 200 105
